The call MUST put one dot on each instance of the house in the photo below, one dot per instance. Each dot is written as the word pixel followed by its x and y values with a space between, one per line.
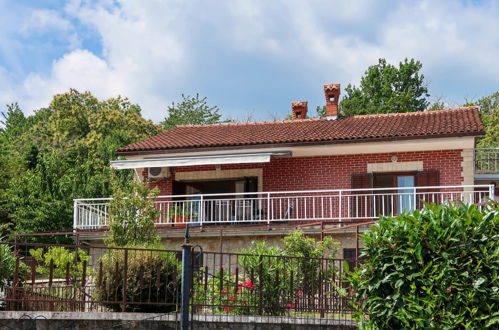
pixel 238 182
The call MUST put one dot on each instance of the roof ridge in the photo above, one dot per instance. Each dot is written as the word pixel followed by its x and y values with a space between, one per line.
pixel 424 112
pixel 391 114
pixel 254 122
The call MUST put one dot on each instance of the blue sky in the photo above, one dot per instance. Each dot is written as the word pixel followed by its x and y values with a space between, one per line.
pixel 251 58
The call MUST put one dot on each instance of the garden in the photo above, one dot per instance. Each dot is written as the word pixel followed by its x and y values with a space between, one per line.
pixel 434 268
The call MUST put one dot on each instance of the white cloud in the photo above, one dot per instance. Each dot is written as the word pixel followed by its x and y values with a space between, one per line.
pixel 151 50
pixel 42 20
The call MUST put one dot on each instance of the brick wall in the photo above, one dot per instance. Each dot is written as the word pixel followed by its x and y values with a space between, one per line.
pixel 333 172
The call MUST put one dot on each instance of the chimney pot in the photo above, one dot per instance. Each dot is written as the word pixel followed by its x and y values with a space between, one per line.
pixel 299 109
pixel 332 94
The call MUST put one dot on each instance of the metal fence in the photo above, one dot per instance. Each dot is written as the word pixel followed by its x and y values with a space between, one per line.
pixel 277 289
pixel 221 287
pixel 46 277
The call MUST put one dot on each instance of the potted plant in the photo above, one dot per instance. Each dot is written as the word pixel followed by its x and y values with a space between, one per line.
pixel 181 213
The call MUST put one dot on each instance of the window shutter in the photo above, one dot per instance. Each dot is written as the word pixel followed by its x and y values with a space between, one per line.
pixel 427 178
pixel 361 206
pixel 363 180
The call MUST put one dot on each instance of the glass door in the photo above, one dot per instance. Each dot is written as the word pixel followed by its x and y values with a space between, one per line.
pixel 405 200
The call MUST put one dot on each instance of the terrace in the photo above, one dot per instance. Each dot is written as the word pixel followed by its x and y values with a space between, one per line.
pixel 311 206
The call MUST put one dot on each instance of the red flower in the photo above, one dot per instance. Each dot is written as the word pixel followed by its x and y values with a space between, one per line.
pixel 248 284
pixel 291 306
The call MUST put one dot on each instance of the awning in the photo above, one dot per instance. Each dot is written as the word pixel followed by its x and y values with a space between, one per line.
pixel 193 160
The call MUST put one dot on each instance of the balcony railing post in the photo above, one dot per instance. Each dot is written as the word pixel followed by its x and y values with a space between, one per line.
pixel 268 208
pixel 201 211
pixel 491 192
pixel 414 203
pixel 339 208
pixel 75 214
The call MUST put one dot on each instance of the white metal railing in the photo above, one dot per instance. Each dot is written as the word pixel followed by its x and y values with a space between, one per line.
pixel 282 206
pixel 486 160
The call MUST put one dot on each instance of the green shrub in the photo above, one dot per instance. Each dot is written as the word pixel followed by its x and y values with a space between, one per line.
pixel 7 268
pixel 61 257
pixel 436 268
pixel 264 268
pixel 152 277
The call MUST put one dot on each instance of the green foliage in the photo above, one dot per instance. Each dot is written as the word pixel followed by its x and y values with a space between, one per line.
pixel 8 265
pixel 61 258
pixel 152 276
pixel 132 214
pixel 191 110
pixel 264 267
pixel 437 268
pixel 489 110
pixel 385 88
pixel 321 111
pixel 437 105
pixel 297 244
pixel 60 153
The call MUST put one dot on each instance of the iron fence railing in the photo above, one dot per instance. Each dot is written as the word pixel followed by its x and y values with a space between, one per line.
pixel 284 206
pixel 82 278
pixel 274 287
pixel 486 160
pixel 47 277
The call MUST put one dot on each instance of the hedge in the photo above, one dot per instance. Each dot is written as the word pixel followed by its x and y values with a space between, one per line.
pixel 435 268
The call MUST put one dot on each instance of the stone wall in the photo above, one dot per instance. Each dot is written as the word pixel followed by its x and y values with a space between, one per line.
pixel 140 321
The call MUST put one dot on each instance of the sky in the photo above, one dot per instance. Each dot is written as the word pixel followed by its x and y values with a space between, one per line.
pixel 251 58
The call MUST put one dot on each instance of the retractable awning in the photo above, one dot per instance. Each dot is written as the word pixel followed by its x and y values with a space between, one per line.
pixel 193 160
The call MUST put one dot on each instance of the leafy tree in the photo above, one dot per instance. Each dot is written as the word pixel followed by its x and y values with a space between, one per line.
pixel 63 152
pixel 385 88
pixel 489 110
pixel 321 110
pixel 191 110
pixel 437 105
pixel 14 124
pixel 132 215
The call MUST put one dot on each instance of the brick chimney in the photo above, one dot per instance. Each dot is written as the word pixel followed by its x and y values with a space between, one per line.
pixel 300 109
pixel 332 93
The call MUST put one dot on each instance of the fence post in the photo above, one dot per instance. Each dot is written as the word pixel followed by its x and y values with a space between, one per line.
pixel 125 278
pixel 260 285
pixel 186 280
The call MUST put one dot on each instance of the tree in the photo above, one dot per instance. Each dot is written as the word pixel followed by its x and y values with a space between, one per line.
pixel 14 124
pixel 489 111
pixel 63 152
pixel 437 105
pixel 132 215
pixel 385 88
pixel 191 110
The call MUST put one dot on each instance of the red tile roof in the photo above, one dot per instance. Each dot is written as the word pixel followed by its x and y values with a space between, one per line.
pixel 442 123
